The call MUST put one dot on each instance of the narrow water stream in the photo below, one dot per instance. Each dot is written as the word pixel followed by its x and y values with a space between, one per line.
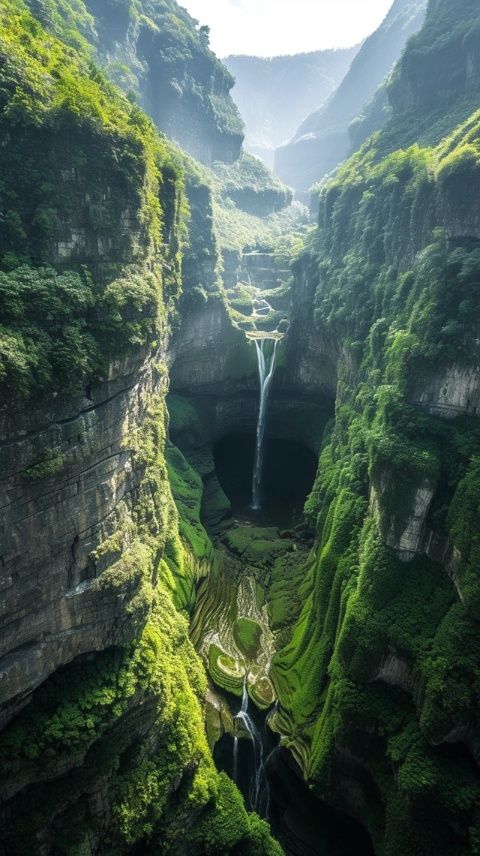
pixel 272 786
pixel 267 481
pixel 288 473
pixel 266 369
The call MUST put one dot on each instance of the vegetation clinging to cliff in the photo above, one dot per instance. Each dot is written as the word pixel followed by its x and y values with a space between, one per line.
pixel 135 41
pixel 382 668
pixel 61 327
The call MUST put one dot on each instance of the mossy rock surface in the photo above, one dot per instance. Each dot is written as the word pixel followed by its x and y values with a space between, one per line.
pixel 216 506
pixel 262 693
pixel 256 545
pixel 248 636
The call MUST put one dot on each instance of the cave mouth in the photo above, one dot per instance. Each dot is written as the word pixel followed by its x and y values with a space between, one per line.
pixel 288 474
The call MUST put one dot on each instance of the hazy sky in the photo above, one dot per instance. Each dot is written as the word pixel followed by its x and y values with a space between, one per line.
pixel 270 27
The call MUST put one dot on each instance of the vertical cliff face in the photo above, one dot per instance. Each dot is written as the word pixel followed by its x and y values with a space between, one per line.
pixel 322 140
pixel 158 54
pixel 379 685
pixel 103 743
pixel 449 70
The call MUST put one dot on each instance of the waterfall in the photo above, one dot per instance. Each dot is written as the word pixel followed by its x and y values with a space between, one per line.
pixel 265 375
pixel 235 759
pixel 259 789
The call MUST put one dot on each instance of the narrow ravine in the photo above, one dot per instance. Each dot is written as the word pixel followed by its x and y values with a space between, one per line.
pixel 234 602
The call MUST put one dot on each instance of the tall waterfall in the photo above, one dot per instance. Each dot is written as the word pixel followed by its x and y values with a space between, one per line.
pixel 265 373
pixel 259 789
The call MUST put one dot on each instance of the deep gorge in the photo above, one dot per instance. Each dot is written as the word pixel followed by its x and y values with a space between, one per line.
pixel 239 445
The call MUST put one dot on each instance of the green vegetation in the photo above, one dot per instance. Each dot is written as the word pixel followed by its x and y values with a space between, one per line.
pixel 48 467
pixel 323 140
pixel 441 53
pixel 379 624
pixel 247 635
pixel 188 75
pixel 262 693
pixel 286 592
pixel 229 674
pixel 256 546
pixel 192 558
pixel 94 220
pixel 91 702
pixel 239 230
pixel 382 665
pixel 61 327
pixel 251 186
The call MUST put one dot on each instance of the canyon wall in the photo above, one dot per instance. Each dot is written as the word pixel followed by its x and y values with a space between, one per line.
pixel 103 744
pixel 110 296
pixel 322 141
pixel 276 94
pixel 378 686
pixel 160 56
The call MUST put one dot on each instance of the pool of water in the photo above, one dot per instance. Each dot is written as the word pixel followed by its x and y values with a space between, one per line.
pixel 288 474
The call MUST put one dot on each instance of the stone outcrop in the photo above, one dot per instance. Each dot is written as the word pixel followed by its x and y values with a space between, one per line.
pixel 176 77
pixel 452 391
pixel 404 532
pixel 395 671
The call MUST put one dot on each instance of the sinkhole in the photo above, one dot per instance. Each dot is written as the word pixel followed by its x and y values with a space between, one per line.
pixel 288 474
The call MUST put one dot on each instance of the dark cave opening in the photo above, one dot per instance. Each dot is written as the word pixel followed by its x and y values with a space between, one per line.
pixel 288 474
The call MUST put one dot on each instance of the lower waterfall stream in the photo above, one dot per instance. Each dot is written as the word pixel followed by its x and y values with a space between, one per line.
pixel 259 788
pixel 249 751
pixel 272 786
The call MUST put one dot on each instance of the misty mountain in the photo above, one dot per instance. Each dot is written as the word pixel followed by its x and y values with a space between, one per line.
pixel 322 141
pixel 275 95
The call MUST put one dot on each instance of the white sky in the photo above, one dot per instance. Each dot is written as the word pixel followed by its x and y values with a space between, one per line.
pixel 272 27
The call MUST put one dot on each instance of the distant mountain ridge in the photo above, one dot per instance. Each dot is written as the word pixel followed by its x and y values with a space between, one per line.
pixel 274 95
pixel 322 141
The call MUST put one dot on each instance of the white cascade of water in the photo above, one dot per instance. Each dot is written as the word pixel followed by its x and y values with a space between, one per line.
pixel 259 789
pixel 235 759
pixel 265 374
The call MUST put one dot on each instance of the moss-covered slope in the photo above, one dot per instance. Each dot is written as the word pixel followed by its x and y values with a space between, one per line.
pixel 379 685
pixel 103 744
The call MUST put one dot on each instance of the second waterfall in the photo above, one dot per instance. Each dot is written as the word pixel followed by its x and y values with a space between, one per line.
pixel 266 368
